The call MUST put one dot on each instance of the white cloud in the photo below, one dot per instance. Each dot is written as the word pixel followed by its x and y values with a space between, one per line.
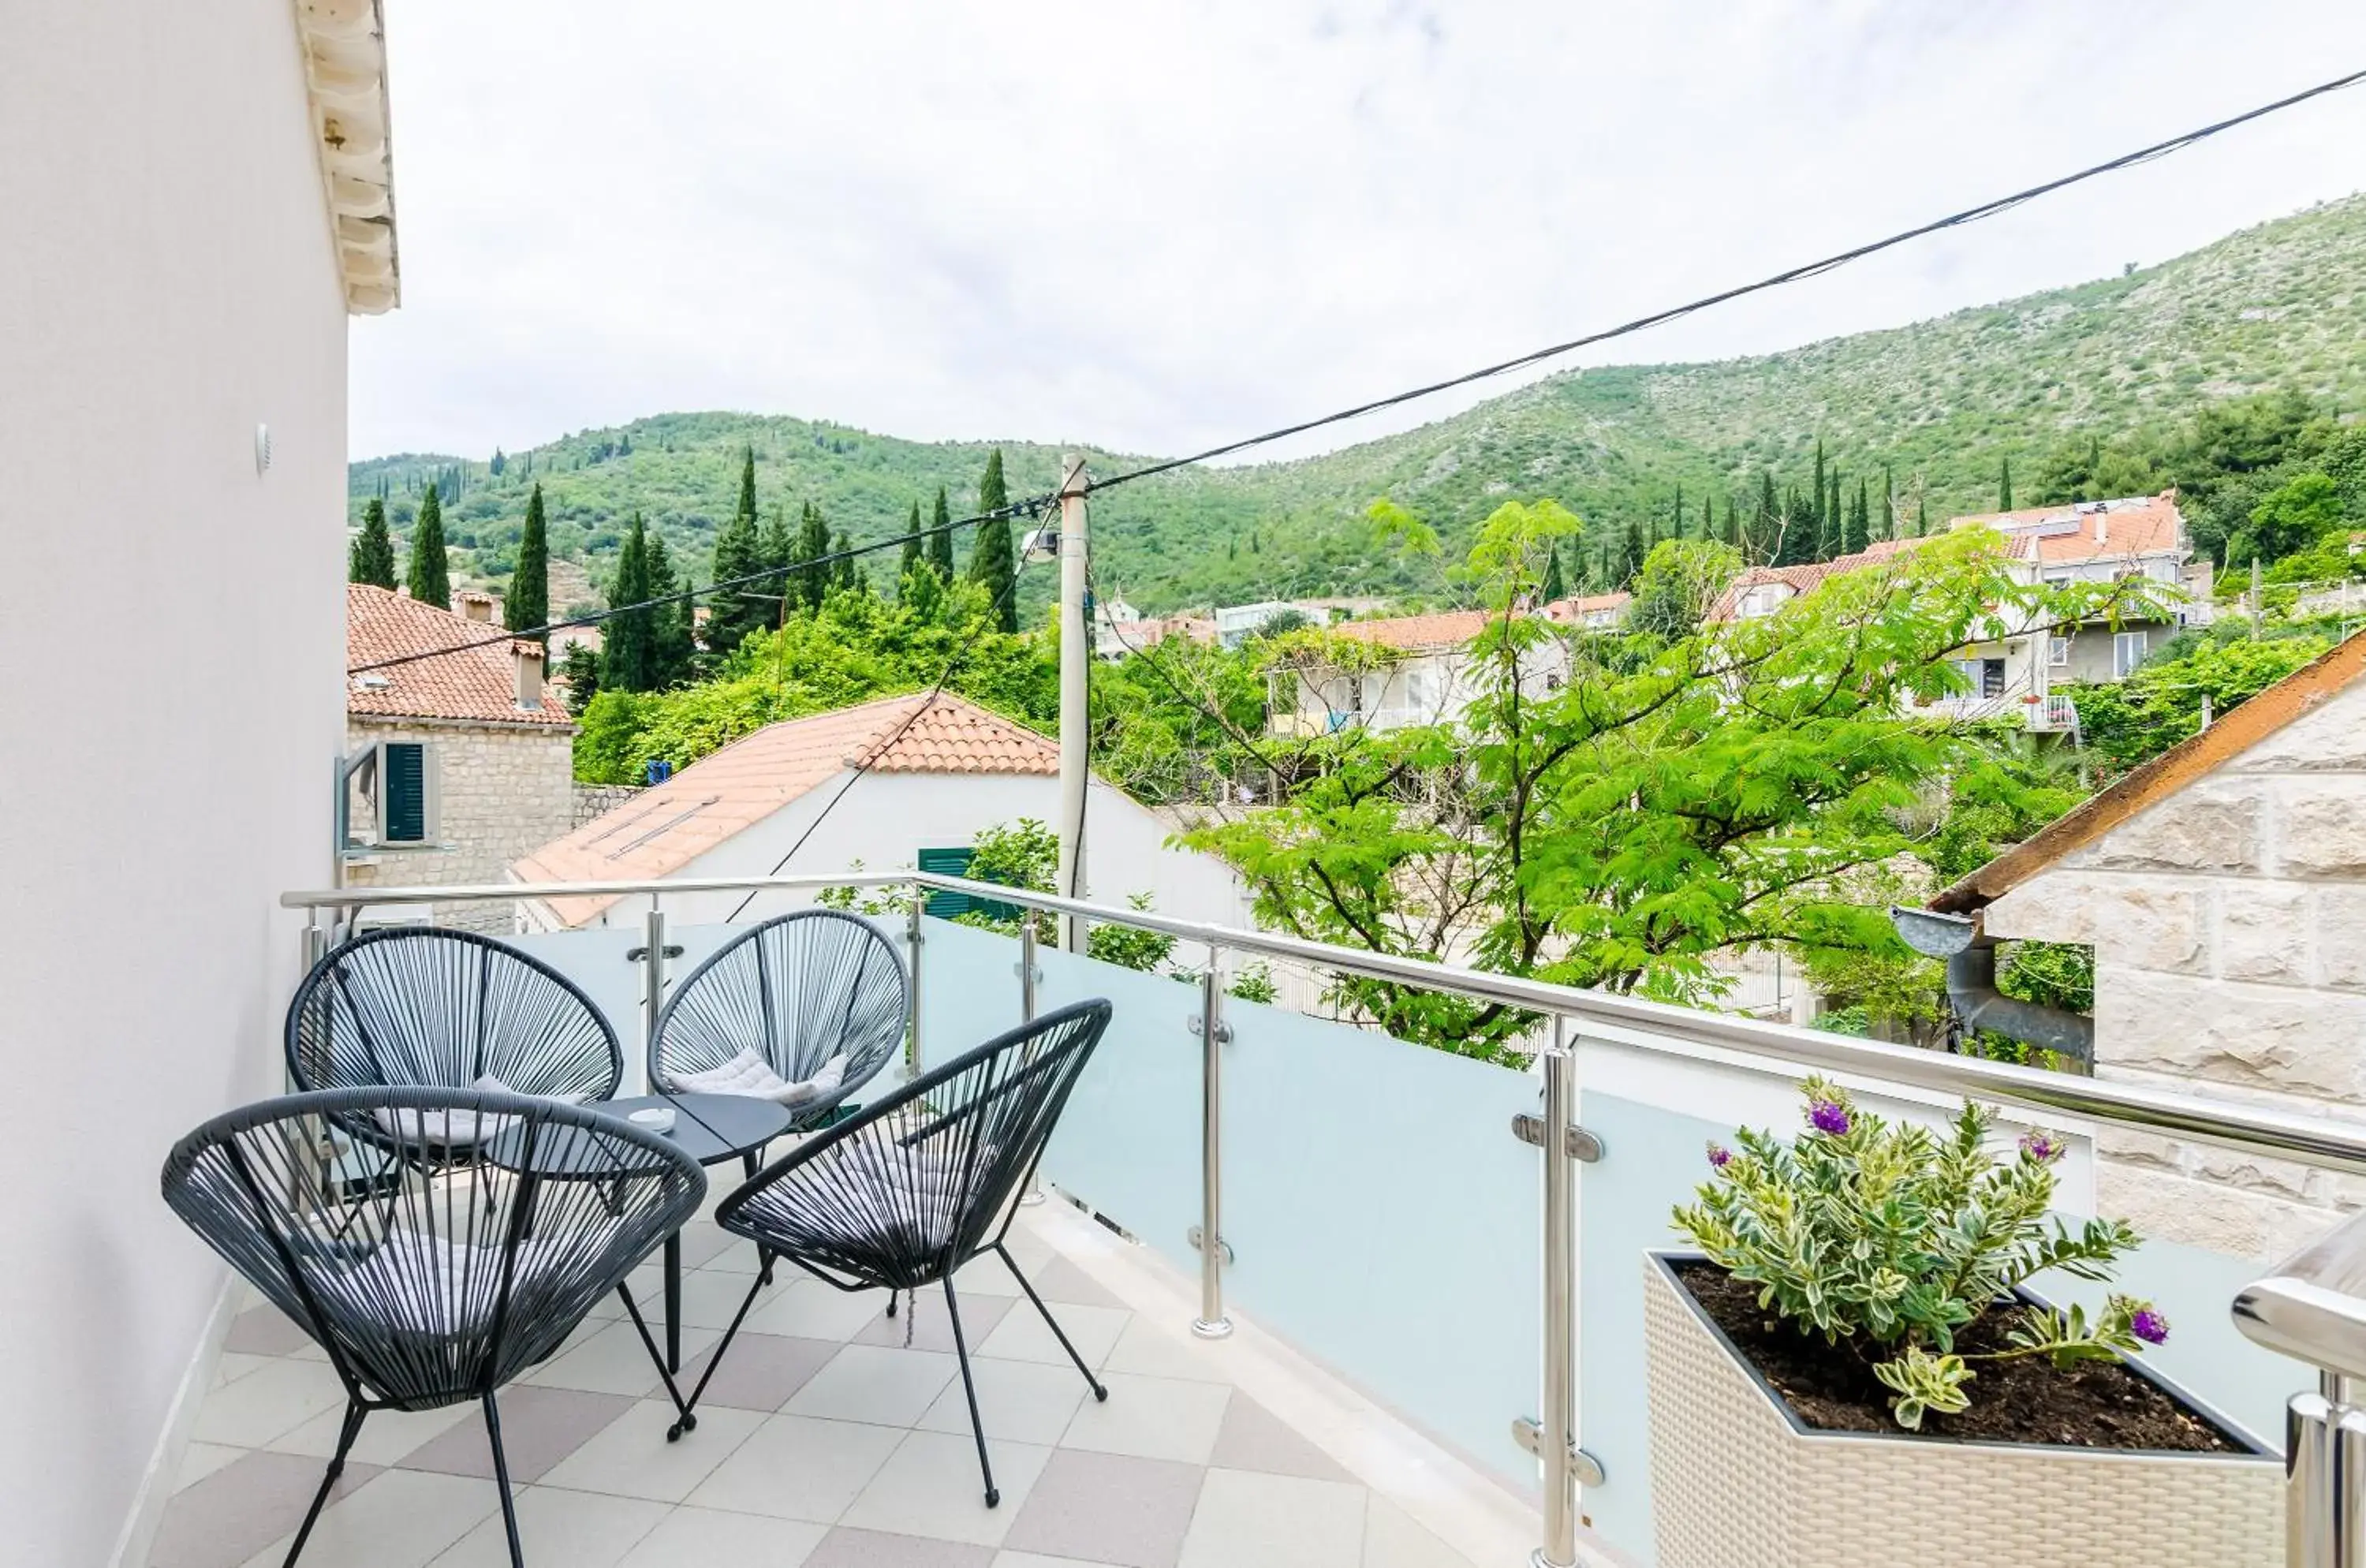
pixel 1159 226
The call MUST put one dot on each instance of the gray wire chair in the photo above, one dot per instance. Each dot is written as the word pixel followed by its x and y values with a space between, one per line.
pixel 903 1193
pixel 446 1008
pixel 429 1282
pixel 799 990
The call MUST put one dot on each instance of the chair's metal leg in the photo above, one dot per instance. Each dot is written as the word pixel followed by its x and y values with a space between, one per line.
pixel 673 1302
pixel 969 1387
pixel 502 1480
pixel 1057 1332
pixel 764 1254
pixel 673 1390
pixel 345 1435
pixel 689 1422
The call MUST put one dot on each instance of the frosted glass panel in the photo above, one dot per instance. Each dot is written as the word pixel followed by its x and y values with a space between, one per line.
pixel 969 988
pixel 1383 1216
pixel 1129 1142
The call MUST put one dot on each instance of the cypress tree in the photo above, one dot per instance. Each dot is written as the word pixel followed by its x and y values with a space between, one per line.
pixel 1553 589
pixel 1922 516
pixel 430 577
pixel 738 552
pixel 1678 513
pixel 993 564
pixel 580 668
pixel 842 572
pixel 498 464
pixel 528 604
pixel 1762 544
pixel 776 549
pixel 940 542
pixel 672 647
pixel 813 571
pixel 2004 486
pixel 1816 522
pixel 1887 522
pixel 1708 517
pixel 1860 527
pixel 371 558
pixel 626 658
pixel 912 556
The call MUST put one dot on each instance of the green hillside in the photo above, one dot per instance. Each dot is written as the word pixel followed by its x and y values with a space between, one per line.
pixel 1940 404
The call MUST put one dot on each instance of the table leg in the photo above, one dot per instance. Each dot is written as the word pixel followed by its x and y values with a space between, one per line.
pixel 673 1302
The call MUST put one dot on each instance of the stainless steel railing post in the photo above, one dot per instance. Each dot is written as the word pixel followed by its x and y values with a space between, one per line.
pixel 1034 1193
pixel 912 940
pixel 653 940
pixel 1212 1323
pixel 1557 1429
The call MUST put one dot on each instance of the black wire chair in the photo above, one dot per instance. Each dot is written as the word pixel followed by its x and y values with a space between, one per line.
pixel 799 989
pixel 446 1009
pixel 430 1281
pixel 903 1193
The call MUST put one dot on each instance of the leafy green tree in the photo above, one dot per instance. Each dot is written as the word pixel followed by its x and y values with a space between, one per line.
pixel 430 577
pixel 940 542
pixel 845 573
pixel 777 548
pixel 528 604
pixel 994 564
pixel 2126 723
pixel 371 557
pixel 739 554
pixel 578 667
pixel 1679 581
pixel 913 554
pixel 2291 519
pixel 1673 801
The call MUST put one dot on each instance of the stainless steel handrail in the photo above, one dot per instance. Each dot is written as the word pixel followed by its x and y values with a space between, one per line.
pixel 2312 1307
pixel 2321 1142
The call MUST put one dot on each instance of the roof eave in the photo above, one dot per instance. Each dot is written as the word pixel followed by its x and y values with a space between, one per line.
pixel 344 44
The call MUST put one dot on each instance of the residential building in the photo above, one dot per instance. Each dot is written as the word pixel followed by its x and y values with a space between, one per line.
pixel 2222 887
pixel 778 802
pixel 1594 612
pixel 1761 590
pixel 1115 640
pixel 461 762
pixel 198 197
pixel 1422 672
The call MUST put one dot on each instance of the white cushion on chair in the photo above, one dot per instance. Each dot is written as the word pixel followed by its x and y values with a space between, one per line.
pixel 748 1074
pixel 457 1128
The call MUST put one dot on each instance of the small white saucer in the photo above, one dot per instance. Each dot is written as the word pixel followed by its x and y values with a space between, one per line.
pixel 655 1119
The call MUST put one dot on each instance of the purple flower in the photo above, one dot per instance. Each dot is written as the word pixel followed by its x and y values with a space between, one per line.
pixel 2149 1326
pixel 1720 1155
pixel 2040 1147
pixel 1830 1116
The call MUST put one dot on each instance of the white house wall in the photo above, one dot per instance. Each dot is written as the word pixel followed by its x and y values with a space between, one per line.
pixel 174 643
pixel 885 818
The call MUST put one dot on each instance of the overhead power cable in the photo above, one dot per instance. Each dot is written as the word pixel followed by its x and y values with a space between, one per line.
pixel 1032 507
pixel 1792 275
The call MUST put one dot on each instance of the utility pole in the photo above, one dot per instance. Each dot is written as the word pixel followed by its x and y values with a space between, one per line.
pixel 1075 720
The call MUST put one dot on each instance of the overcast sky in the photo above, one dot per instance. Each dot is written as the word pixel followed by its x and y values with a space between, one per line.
pixel 1155 226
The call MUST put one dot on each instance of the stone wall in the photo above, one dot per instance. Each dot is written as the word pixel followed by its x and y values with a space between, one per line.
pixel 2229 928
pixel 507 789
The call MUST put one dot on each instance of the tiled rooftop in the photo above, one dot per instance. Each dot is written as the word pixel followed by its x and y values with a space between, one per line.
pixel 825 1442
pixel 480 685
pixel 665 827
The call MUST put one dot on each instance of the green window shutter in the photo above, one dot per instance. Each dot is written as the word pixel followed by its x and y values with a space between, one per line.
pixel 405 787
pixel 944 906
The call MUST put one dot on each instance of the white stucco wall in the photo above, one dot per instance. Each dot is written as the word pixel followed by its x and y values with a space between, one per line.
pixel 172 641
pixel 887 818
pixel 2229 928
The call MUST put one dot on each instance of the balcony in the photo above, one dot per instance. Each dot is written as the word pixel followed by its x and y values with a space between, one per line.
pixel 1421 1340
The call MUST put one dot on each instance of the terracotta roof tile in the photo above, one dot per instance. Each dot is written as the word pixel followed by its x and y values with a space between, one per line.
pixel 2060 535
pixel 666 826
pixel 1449 628
pixel 480 685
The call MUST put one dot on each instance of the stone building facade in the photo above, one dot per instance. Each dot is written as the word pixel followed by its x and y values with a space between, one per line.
pixel 2222 887
pixel 503 745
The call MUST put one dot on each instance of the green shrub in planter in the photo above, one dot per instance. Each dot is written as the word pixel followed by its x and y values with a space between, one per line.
pixel 1895 1238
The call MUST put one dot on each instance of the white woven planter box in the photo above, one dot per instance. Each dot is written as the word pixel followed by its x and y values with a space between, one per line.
pixel 1738 1483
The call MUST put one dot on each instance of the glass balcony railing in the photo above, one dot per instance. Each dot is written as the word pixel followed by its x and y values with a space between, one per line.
pixel 1470 1244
